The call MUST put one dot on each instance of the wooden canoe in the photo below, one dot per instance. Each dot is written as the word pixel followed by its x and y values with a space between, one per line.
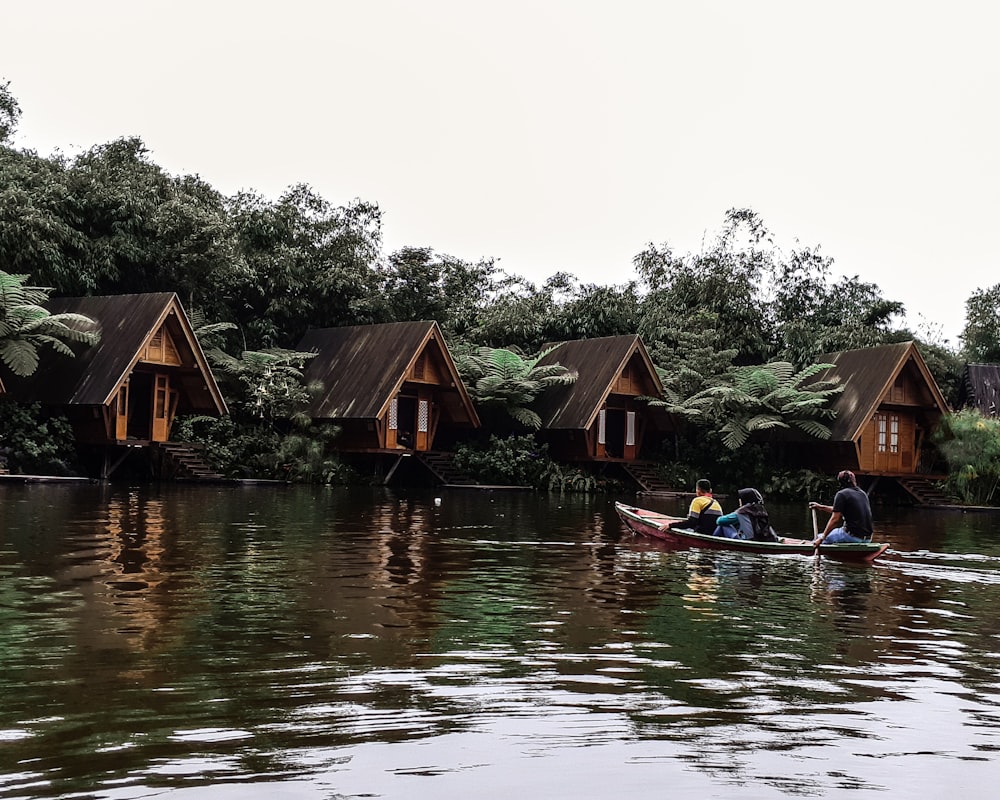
pixel 654 525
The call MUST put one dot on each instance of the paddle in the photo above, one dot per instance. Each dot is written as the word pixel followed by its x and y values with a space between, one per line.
pixel 815 532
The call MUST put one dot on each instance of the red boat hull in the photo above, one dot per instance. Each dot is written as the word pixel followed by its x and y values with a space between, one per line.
pixel 654 525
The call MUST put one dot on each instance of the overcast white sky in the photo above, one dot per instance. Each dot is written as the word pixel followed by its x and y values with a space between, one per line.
pixel 560 134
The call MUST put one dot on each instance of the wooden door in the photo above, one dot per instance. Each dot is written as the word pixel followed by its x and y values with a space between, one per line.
pixel 121 413
pixel 161 408
pixel 631 449
pixel 423 425
pixel 888 441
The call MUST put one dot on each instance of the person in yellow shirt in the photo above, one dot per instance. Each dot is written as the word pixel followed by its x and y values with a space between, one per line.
pixel 704 512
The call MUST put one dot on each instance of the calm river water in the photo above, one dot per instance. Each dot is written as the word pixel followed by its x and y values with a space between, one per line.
pixel 287 642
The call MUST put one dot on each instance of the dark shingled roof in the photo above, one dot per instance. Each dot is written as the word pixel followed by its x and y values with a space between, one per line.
pixel 866 375
pixel 362 367
pixel 598 362
pixel 126 321
pixel 981 388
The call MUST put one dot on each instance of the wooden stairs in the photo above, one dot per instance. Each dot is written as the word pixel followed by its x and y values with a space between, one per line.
pixel 648 478
pixel 181 461
pixel 925 491
pixel 442 466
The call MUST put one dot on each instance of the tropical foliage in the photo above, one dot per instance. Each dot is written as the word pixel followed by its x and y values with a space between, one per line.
pixel 970 443
pixel 735 328
pixel 26 326
pixel 504 380
pixel 769 396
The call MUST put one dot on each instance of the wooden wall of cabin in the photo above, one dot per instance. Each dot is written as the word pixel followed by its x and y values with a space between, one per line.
pixel 888 443
pixel 357 435
pixel 412 419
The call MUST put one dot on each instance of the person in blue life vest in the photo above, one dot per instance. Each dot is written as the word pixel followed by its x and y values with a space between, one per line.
pixel 704 511
pixel 850 515
pixel 749 521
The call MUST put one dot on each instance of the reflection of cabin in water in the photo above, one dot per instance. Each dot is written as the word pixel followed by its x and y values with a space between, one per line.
pixel 889 406
pixel 600 417
pixel 124 392
pixel 392 389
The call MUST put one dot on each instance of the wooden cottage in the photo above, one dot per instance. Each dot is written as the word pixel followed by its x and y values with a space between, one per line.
pixel 126 390
pixel 889 405
pixel 980 389
pixel 390 387
pixel 600 418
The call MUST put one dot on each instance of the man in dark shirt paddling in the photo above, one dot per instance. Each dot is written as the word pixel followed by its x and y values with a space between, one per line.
pixel 850 515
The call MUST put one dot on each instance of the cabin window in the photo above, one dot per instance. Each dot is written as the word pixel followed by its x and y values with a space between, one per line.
pixel 154 352
pixel 630 429
pixel 423 416
pixel 602 427
pixel 881 433
pixel 394 414
pixel 418 368
pixel 894 434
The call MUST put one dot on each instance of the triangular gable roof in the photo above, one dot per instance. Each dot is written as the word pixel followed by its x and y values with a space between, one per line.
pixel 127 323
pixel 598 363
pixel 981 388
pixel 363 367
pixel 867 375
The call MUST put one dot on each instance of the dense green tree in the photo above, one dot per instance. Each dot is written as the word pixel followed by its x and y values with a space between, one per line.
pixel 590 311
pixel 981 335
pixel 516 315
pixel 10 112
pixel 110 222
pixel 301 262
pixel 813 315
pixel 418 284
pixel 721 287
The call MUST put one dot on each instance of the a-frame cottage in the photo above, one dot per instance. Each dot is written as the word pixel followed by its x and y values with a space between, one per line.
pixel 889 406
pixel 392 389
pixel 124 392
pixel 980 389
pixel 599 418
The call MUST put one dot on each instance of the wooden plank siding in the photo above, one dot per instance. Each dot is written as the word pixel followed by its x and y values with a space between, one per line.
pixel 980 389
pixel 147 368
pixel 388 387
pixel 889 406
pixel 599 417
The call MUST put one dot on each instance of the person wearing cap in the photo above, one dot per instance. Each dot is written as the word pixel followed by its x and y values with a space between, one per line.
pixel 850 515
pixel 704 512
pixel 749 521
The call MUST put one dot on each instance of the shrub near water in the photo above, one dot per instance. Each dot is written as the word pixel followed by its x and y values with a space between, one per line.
pixel 970 444
pixel 507 461
pixel 33 443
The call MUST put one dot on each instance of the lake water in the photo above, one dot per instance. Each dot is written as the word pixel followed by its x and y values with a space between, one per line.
pixel 302 642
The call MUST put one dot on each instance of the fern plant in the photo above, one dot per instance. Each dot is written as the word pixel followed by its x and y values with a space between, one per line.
pixel 765 397
pixel 26 326
pixel 506 380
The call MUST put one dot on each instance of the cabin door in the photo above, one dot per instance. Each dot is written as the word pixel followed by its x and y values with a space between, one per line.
pixel 161 408
pixel 892 454
pixel 121 412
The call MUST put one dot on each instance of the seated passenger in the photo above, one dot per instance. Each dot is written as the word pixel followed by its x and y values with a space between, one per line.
pixel 704 512
pixel 749 521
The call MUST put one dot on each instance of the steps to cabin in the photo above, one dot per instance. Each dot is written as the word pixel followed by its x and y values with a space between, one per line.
pixel 647 476
pixel 926 492
pixel 442 465
pixel 182 461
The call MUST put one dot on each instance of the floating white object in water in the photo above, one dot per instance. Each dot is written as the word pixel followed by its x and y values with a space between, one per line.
pixel 437 501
